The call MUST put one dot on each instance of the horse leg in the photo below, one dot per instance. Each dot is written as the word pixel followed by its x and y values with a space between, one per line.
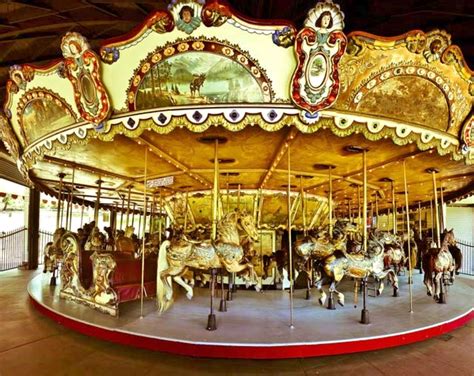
pixel 437 282
pixel 180 281
pixel 322 294
pixel 442 290
pixel 340 296
pixel 332 288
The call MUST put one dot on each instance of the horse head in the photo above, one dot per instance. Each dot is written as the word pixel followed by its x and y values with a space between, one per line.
pixel 448 236
pixel 247 223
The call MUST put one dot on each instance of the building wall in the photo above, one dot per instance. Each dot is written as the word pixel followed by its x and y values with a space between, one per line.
pixel 461 219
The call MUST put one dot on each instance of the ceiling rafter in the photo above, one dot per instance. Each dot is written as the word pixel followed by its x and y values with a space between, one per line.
pixel 171 160
pixel 282 149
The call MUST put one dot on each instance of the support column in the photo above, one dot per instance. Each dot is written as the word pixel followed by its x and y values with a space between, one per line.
pixel 33 228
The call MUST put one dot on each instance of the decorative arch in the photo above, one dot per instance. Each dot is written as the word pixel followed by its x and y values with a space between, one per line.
pixel 41 112
pixel 187 66
pixel 408 70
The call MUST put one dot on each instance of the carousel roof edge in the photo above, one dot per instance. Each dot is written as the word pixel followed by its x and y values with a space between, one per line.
pixel 416 42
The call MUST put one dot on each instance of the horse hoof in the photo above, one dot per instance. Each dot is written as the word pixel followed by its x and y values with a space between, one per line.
pixel 340 303
pixel 321 301
pixel 428 293
pixel 189 296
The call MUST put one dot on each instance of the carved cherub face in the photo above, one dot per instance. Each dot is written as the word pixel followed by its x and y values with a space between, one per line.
pixel 325 21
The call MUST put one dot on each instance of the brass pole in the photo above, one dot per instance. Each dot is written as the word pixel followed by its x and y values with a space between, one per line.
pixel 238 197
pixel 330 202
pixel 152 212
pixel 68 206
pixel 114 228
pixel 376 210
pixel 121 211
pixel 289 238
pixel 358 205
pixel 303 206
pixel 128 205
pixel 82 210
pixel 160 225
pixel 133 213
pixel 215 193
pixel 185 211
pixel 438 235
pixel 432 221
pixel 407 210
pixel 72 199
pixel 364 213
pixel 97 203
pixel 58 213
pixel 139 222
pixel 443 216
pixel 72 196
pixel 142 284
pixel 350 210
pixel 228 194
pixel 419 221
pixel 394 209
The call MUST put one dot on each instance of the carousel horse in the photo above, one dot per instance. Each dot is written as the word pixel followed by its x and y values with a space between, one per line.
pixel 53 254
pixel 323 245
pixel 394 255
pixel 438 265
pixel 413 250
pixel 176 257
pixel 95 241
pixel 334 267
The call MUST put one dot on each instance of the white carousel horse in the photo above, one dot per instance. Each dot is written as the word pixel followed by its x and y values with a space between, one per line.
pixel 175 257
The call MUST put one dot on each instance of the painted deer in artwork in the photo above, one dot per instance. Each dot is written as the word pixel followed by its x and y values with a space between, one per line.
pixel 196 83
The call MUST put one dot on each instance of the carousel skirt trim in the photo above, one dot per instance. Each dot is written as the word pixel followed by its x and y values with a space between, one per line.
pixel 253 350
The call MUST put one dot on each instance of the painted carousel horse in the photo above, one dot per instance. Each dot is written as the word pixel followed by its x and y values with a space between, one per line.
pixel 413 250
pixel 394 255
pixel 176 257
pixel 339 264
pixel 53 254
pixel 95 241
pixel 438 265
pixel 323 245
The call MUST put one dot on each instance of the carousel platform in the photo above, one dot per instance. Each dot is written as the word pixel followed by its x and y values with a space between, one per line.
pixel 256 325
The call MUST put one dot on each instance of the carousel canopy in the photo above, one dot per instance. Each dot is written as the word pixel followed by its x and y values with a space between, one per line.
pixel 154 106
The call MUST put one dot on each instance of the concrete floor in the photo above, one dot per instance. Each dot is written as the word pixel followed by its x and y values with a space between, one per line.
pixel 31 344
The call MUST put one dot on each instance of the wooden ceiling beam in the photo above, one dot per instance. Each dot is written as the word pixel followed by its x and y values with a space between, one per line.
pixel 172 161
pixel 100 8
pixel 90 169
pixel 280 152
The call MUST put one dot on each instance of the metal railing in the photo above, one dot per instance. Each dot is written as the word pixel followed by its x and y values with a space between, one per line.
pixel 12 248
pixel 44 238
pixel 467 250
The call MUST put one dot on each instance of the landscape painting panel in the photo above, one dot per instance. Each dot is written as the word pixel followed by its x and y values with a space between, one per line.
pixel 43 116
pixel 197 78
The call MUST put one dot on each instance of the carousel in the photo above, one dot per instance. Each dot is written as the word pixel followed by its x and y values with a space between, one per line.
pixel 272 192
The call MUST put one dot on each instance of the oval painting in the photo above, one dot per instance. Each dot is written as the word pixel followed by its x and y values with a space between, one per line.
pixel 88 89
pixel 197 78
pixel 43 116
pixel 316 71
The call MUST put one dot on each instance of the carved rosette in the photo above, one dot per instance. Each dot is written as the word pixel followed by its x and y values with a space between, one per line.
pixel 82 68
pixel 319 46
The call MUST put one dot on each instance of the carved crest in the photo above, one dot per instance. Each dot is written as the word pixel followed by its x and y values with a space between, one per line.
pixel 319 46
pixel 20 75
pixel 187 14
pixel 82 68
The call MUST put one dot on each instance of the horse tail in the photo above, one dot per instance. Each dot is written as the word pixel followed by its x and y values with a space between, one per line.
pixel 163 287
